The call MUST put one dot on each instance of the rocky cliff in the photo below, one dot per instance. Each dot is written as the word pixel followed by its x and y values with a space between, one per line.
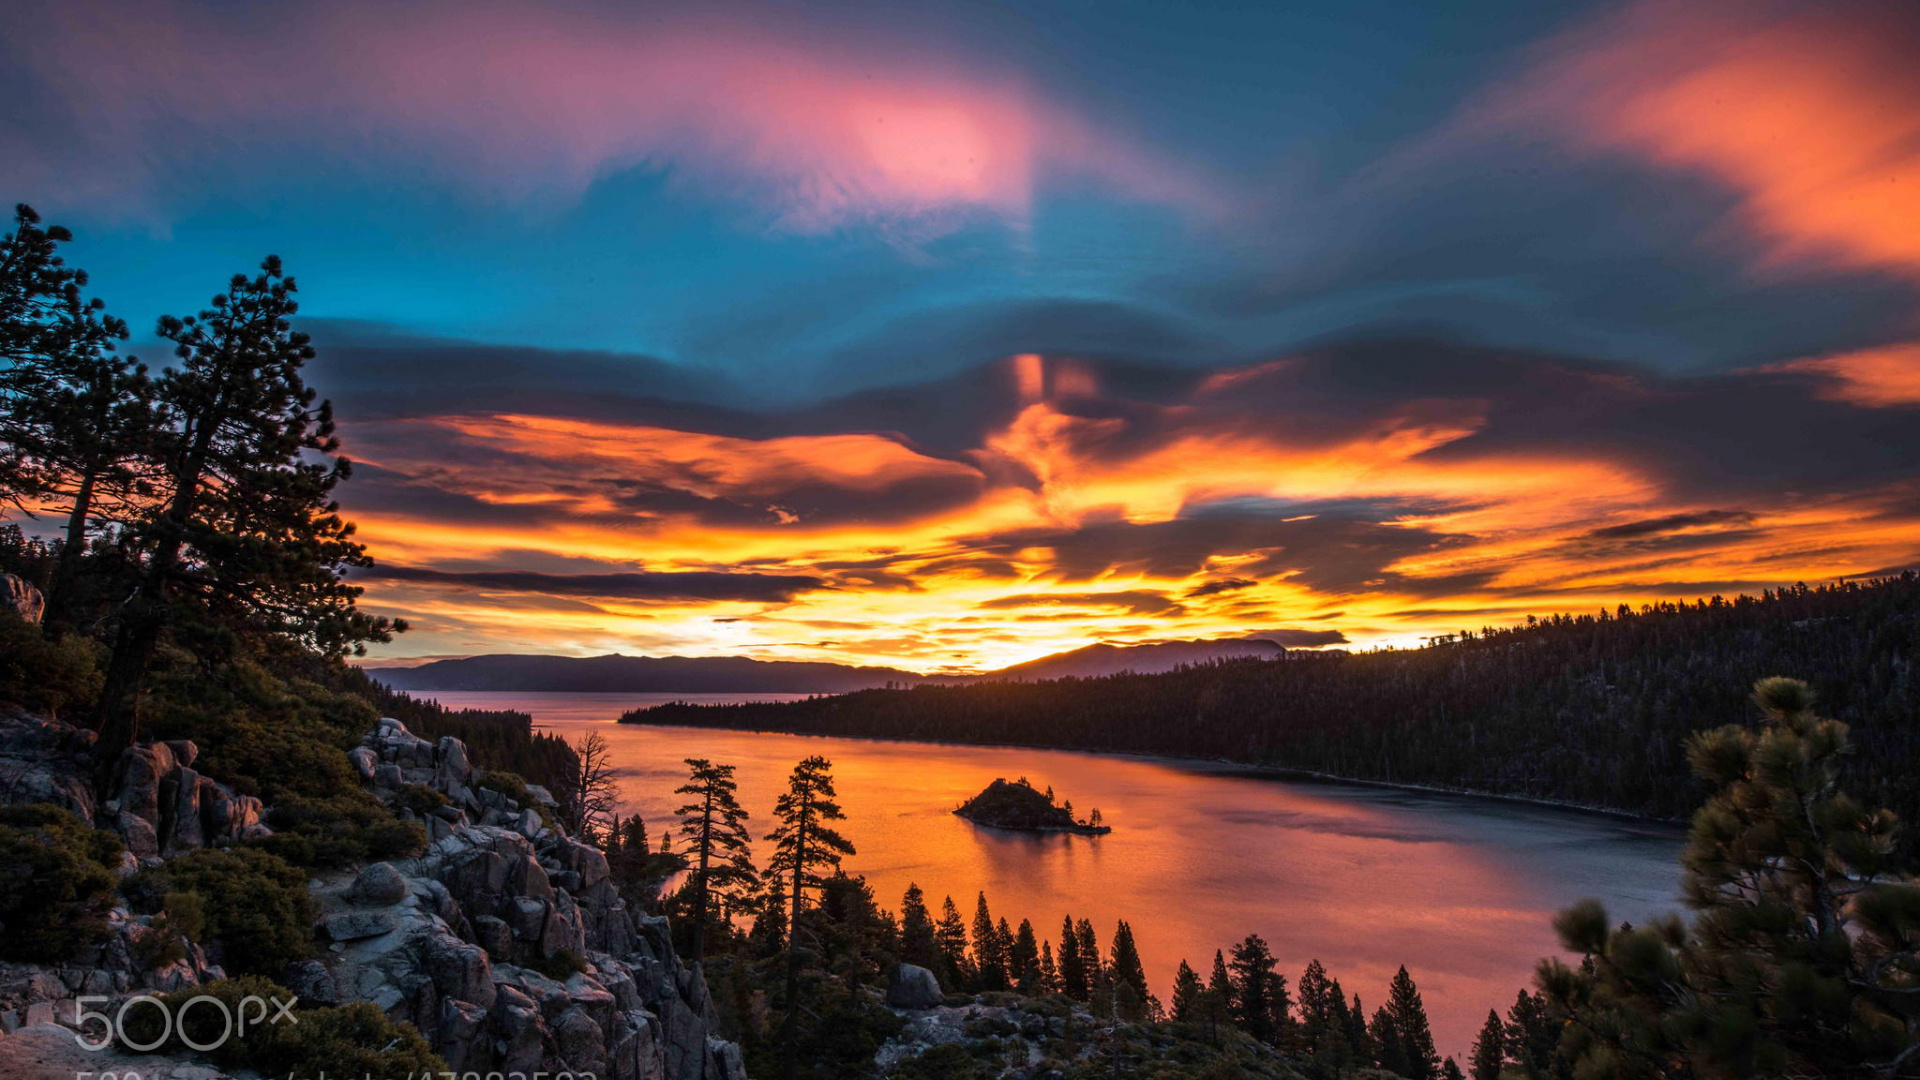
pixel 505 943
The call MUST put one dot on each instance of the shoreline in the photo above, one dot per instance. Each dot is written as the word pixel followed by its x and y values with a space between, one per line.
pixel 1278 772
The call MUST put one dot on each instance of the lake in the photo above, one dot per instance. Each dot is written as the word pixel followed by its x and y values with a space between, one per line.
pixel 1459 889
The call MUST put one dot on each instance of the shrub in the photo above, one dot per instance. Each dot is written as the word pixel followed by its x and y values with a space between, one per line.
pixel 56 878
pixel 349 1040
pixel 506 783
pixel 182 919
pixel 341 830
pixel 257 911
pixel 420 799
pixel 46 676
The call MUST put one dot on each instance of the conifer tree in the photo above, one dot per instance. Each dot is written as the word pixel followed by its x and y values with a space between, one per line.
pixel 1220 995
pixel 1073 968
pixel 1187 994
pixel 1357 1035
pixel 1024 960
pixel 1258 992
pixel 1125 970
pixel 247 540
pixel 804 846
pixel 1389 1050
pixel 951 936
pixel 1090 964
pixel 1450 1070
pixel 713 822
pixel 1049 971
pixel 918 942
pixel 1489 1049
pixel 1802 957
pixel 1316 1010
pixel 77 420
pixel 1410 1023
pixel 1532 1035
pixel 989 964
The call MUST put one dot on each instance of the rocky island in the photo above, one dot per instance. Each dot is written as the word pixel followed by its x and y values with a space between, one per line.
pixel 1016 805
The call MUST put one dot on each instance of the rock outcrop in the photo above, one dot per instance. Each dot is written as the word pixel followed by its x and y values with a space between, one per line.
pixel 162 807
pixel 910 986
pixel 506 943
pixel 21 597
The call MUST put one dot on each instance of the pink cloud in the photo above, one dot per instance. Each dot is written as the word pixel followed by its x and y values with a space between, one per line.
pixel 512 102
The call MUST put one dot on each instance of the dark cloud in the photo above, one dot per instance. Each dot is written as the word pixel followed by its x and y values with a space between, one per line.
pixel 1672 523
pixel 1220 585
pixel 1302 639
pixel 1134 602
pixel 692 585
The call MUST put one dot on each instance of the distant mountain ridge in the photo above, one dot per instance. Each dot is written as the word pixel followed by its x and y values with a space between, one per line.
pixel 615 673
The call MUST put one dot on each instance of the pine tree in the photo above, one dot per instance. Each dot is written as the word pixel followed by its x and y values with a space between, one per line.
pixel 951 937
pixel 715 825
pixel 1803 956
pixel 1489 1049
pixel 1532 1035
pixel 1257 990
pixel 77 420
pixel 804 845
pixel 1023 959
pixel 1094 971
pixel 1187 994
pixel 1389 1050
pixel 247 540
pixel 1316 1012
pixel 1357 1035
pixel 1410 1023
pixel 919 943
pixel 1125 970
pixel 1219 999
pixel 1049 971
pixel 1450 1070
pixel 1073 968
pixel 989 964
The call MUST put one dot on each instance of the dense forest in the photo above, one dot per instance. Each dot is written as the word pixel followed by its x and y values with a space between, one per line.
pixel 1588 709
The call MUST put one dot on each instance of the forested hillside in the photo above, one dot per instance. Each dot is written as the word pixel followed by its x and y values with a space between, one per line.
pixel 1591 709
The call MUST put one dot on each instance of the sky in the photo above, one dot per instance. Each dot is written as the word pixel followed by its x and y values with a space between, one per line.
pixel 949 336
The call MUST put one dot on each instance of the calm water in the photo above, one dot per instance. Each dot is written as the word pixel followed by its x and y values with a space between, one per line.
pixel 1459 889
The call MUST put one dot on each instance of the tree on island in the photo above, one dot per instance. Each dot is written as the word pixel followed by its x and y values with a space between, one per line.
pixel 804 847
pixel 246 538
pixel 1802 959
pixel 722 877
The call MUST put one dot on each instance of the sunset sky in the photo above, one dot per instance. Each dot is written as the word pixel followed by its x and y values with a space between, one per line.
pixel 946 337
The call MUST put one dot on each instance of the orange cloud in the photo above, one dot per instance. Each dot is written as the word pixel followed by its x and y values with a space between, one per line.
pixel 1810 114
pixel 1076 520
pixel 1884 377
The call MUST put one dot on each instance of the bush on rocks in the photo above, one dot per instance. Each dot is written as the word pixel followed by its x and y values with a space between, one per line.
pixel 258 915
pixel 46 676
pixel 56 882
pixel 342 830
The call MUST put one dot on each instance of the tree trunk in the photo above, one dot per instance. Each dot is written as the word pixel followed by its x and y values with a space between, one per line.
pixel 700 893
pixel 791 1033
pixel 60 604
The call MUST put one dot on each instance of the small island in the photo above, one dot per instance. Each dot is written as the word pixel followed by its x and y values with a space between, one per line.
pixel 1016 805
